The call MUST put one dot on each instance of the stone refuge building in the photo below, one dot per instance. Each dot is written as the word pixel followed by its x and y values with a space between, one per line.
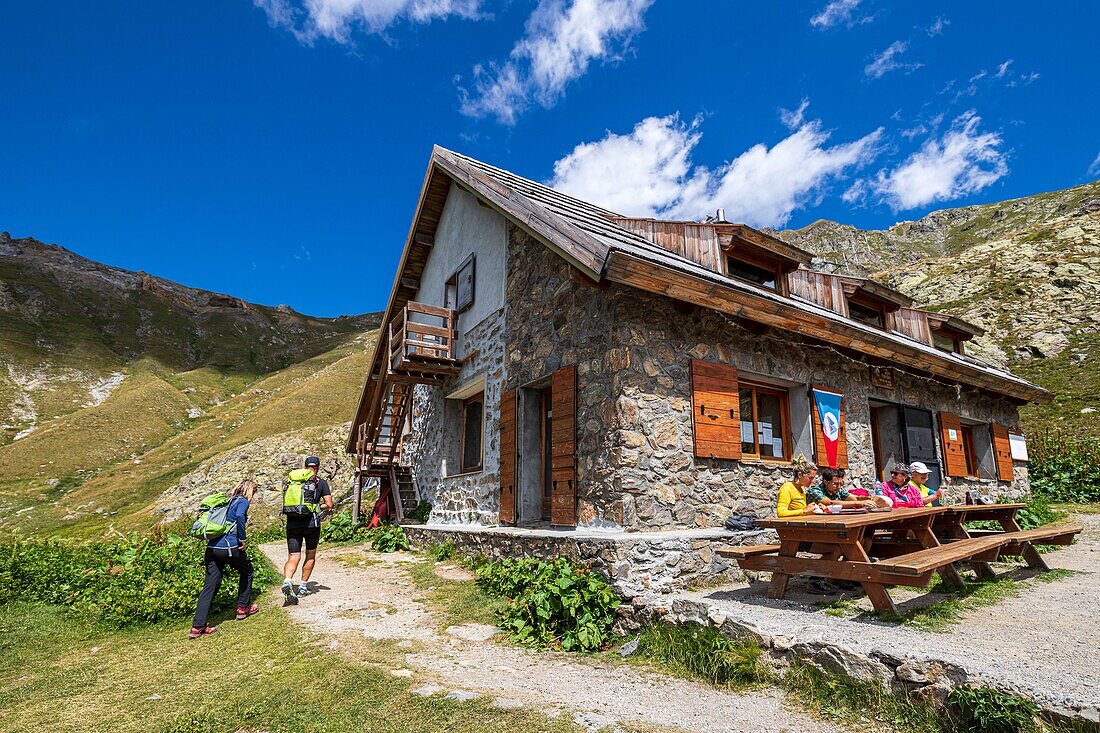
pixel 547 363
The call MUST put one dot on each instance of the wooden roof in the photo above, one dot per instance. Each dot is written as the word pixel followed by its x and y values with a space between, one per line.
pixel 588 237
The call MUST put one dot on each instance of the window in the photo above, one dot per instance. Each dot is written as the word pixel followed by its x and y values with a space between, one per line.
pixel 968 451
pixel 753 273
pixel 460 286
pixel 867 314
pixel 943 343
pixel 473 415
pixel 764 423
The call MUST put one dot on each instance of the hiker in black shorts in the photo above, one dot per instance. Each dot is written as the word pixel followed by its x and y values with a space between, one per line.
pixel 306 494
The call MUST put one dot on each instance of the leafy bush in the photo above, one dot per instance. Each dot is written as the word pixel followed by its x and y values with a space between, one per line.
pixel 702 651
pixel 341 528
pixel 554 603
pixel 140 579
pixel 442 551
pixel 1063 468
pixel 422 512
pixel 388 538
pixel 985 710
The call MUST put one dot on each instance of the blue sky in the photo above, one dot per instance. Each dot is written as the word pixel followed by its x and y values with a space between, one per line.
pixel 274 149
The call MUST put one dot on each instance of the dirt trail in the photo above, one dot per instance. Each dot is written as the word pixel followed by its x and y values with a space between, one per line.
pixel 379 601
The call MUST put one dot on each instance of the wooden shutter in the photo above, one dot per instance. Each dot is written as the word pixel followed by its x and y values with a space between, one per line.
pixel 954 449
pixel 819 436
pixel 563 447
pixel 1002 452
pixel 464 285
pixel 715 410
pixel 508 457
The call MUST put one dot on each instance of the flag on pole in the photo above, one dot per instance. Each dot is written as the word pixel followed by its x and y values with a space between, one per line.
pixel 828 413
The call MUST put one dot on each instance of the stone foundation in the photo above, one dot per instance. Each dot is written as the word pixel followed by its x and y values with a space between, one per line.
pixel 639 565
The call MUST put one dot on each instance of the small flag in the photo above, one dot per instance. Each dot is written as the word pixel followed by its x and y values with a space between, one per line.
pixel 828 412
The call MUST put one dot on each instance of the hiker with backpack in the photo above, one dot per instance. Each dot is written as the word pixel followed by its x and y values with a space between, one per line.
pixel 306 494
pixel 221 523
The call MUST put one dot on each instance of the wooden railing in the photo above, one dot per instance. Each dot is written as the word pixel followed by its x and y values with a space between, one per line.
pixel 422 339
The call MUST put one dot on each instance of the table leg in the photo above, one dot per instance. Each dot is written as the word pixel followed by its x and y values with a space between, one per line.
pixel 956 528
pixel 778 587
pixel 1031 555
pixel 927 538
pixel 876 592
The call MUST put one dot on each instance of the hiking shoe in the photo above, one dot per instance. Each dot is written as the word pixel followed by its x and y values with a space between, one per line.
pixel 821 588
pixel 304 590
pixel 288 592
pixel 197 631
pixel 244 612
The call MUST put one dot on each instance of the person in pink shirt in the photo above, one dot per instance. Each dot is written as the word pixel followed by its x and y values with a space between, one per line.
pixel 899 490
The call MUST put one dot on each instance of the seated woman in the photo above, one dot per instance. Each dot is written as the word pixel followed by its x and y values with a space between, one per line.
pixel 831 491
pixel 792 494
pixel 899 490
pixel 919 474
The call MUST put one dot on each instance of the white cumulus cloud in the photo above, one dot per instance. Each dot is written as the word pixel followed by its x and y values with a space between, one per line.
pixel 887 61
pixel 649 172
pixel 837 12
pixel 962 161
pixel 561 39
pixel 309 20
pixel 1094 167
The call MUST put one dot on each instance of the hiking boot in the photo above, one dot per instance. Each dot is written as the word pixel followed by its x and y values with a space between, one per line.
pixel 197 631
pixel 244 612
pixel 821 587
pixel 288 592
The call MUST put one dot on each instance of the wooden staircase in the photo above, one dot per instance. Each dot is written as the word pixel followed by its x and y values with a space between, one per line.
pixel 404 487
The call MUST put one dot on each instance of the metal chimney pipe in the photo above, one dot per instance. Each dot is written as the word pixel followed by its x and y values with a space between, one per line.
pixel 721 216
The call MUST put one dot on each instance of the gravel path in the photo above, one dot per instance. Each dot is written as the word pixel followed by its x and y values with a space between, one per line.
pixel 378 601
pixel 1041 642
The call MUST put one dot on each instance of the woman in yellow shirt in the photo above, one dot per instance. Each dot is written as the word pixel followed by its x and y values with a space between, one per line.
pixel 792 494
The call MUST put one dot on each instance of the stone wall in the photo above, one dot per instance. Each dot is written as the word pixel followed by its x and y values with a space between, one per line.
pixel 634 432
pixel 431 446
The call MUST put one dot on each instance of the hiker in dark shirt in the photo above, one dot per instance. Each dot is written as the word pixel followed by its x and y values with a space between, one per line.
pixel 303 529
pixel 228 549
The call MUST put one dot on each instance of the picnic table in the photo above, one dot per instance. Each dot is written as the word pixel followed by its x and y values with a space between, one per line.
pixel 879 549
pixel 951 525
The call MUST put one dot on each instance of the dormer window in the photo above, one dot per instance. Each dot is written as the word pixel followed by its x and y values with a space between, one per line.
pixel 745 270
pixel 949 333
pixel 867 313
pixel 943 342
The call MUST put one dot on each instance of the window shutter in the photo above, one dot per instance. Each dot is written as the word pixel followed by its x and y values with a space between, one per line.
pixel 1002 452
pixel 508 457
pixel 954 449
pixel 563 447
pixel 819 436
pixel 715 410
pixel 464 288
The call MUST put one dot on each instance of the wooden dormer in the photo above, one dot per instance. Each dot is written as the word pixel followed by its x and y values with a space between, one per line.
pixel 871 303
pixel 756 257
pixel 949 333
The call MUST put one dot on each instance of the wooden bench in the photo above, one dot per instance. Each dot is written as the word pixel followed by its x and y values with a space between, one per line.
pixel 1022 543
pixel 934 558
pixel 740 552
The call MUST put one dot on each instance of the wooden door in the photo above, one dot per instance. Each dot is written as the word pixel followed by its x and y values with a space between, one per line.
pixel 563 451
pixel 508 457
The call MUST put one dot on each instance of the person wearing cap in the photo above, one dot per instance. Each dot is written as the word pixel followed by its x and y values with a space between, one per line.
pixel 304 531
pixel 898 490
pixel 918 474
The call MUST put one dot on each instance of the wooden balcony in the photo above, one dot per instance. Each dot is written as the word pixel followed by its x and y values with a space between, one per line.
pixel 422 344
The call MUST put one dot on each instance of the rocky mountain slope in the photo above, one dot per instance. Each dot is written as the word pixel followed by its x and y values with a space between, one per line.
pixel 117 385
pixel 1025 270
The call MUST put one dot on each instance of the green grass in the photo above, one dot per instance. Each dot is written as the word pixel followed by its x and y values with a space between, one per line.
pixel 62 675
pixel 452 601
pixel 701 652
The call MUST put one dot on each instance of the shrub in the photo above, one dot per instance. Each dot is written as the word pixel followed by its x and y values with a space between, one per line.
pixel 702 651
pixel 985 710
pixel 442 551
pixel 140 579
pixel 1062 468
pixel 557 603
pixel 388 538
pixel 422 512
pixel 341 528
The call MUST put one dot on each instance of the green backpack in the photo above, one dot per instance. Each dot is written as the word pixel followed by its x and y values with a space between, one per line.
pixel 300 495
pixel 213 522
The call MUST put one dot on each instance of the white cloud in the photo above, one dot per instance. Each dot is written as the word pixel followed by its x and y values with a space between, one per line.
pixel 649 172
pixel 887 61
pixel 561 39
pixel 1094 168
pixel 792 119
pixel 838 12
pixel 961 162
pixel 1002 69
pixel 309 20
pixel 937 26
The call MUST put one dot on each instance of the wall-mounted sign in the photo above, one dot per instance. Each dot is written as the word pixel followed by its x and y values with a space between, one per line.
pixel 1018 445
pixel 882 377
pixel 952 434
